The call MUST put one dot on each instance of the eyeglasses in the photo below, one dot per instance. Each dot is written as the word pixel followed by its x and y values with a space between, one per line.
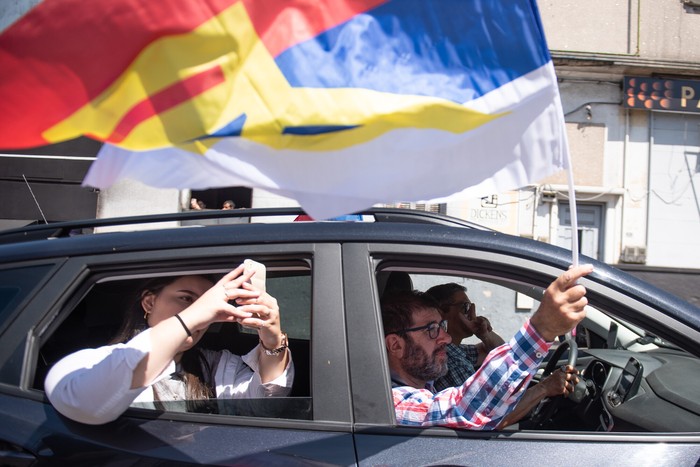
pixel 464 305
pixel 433 329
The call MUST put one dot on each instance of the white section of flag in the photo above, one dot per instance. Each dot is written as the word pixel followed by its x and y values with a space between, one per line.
pixel 517 149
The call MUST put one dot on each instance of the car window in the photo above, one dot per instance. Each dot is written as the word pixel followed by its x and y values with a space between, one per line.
pixel 94 322
pixel 15 285
pixel 630 380
pixel 294 292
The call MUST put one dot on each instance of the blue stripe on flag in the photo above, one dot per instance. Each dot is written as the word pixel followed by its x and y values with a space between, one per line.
pixel 233 128
pixel 315 129
pixel 457 50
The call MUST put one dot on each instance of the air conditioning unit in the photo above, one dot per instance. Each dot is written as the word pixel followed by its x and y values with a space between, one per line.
pixel 634 255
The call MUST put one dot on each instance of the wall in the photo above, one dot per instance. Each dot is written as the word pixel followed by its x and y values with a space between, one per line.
pixel 131 198
pixel 661 31
pixel 594 45
pixel 602 26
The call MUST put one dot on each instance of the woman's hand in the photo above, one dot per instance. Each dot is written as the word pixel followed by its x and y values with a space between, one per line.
pixel 254 308
pixel 265 316
pixel 213 305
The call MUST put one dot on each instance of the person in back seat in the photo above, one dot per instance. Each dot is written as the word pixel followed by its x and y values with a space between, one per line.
pixel 155 356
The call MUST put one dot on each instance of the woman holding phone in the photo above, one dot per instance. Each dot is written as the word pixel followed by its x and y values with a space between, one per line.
pixel 155 356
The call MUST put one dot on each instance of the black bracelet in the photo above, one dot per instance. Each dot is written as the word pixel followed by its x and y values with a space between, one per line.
pixel 187 330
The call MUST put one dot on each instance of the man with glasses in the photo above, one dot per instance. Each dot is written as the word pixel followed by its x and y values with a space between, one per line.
pixel 463 359
pixel 416 339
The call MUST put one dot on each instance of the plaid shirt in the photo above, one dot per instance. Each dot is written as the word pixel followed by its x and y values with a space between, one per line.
pixel 461 364
pixel 486 397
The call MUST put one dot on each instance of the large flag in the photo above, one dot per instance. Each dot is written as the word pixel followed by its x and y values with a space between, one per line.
pixel 339 104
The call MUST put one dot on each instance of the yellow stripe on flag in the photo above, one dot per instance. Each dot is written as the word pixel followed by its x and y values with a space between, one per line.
pixel 251 85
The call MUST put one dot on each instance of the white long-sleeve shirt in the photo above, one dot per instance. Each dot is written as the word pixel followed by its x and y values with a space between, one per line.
pixel 93 386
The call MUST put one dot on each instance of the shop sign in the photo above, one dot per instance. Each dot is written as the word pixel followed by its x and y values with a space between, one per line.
pixel 661 94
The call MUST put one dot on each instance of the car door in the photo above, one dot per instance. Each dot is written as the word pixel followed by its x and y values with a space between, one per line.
pixel 379 441
pixel 33 430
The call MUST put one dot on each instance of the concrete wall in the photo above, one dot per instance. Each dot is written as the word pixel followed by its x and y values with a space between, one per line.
pixel 662 30
pixel 131 198
pixel 601 26
pixel 594 45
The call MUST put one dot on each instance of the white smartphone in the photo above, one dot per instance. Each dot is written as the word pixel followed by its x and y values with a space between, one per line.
pixel 258 279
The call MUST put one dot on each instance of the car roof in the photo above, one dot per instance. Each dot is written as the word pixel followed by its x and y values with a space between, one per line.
pixel 68 228
pixel 387 225
pixel 381 225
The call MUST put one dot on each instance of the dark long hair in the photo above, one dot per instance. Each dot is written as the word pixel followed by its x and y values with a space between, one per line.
pixel 194 364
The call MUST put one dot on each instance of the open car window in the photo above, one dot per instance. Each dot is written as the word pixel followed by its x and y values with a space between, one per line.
pixel 96 319
pixel 630 380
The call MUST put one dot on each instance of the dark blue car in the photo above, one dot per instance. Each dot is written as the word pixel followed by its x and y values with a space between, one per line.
pixel 64 287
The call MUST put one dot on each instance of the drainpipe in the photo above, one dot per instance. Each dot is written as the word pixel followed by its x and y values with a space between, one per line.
pixel 625 155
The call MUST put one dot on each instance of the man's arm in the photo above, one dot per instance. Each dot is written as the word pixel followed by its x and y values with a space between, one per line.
pixel 486 397
pixel 561 309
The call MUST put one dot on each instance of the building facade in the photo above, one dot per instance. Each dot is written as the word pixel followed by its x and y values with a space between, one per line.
pixel 629 76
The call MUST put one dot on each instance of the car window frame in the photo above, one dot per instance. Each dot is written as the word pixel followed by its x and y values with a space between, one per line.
pixel 472 263
pixel 331 409
pixel 16 340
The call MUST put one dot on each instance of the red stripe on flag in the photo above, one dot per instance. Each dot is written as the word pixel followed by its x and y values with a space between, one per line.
pixel 282 24
pixel 64 53
pixel 166 99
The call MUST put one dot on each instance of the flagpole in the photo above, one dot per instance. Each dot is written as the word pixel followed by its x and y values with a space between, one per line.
pixel 574 222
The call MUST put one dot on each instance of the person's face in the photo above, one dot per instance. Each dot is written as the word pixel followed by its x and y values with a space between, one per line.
pixel 227 206
pixel 425 358
pixel 459 322
pixel 174 298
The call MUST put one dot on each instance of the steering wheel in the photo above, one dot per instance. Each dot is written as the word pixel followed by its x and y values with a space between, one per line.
pixel 548 406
